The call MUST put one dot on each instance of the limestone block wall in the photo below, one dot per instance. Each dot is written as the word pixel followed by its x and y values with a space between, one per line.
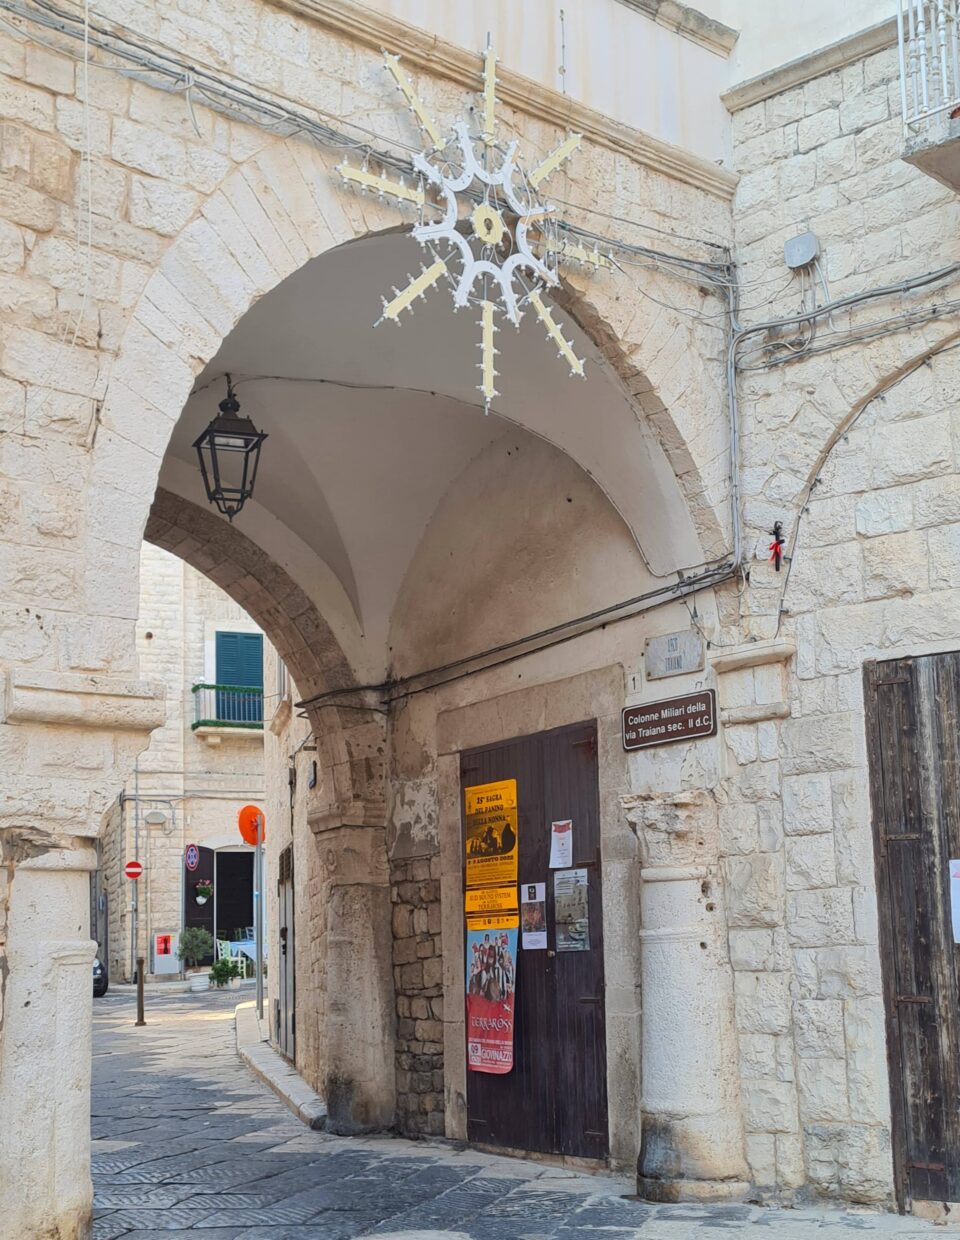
pixel 855 450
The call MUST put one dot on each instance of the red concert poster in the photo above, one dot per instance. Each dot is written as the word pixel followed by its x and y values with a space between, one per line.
pixel 491 980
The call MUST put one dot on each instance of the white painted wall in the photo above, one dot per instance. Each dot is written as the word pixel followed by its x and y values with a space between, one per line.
pixel 774 32
pixel 623 63
pixel 617 60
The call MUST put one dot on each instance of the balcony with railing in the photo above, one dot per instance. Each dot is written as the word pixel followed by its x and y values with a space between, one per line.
pixel 223 710
pixel 929 43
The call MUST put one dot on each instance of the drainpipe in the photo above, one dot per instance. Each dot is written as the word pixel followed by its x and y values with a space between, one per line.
pixel 183 894
pixel 134 909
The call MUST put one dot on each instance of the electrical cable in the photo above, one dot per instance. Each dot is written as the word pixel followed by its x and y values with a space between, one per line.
pixel 851 300
pixel 872 330
pixel 155 58
pixel 545 639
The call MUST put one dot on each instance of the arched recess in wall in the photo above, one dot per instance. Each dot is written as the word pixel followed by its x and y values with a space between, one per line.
pixel 834 466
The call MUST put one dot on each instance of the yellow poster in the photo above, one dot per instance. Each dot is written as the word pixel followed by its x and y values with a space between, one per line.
pixel 490 899
pixel 491 834
pixel 496 921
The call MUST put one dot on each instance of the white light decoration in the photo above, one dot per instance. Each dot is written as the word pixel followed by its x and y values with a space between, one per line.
pixel 481 220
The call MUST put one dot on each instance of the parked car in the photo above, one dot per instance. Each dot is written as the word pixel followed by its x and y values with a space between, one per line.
pixel 100 979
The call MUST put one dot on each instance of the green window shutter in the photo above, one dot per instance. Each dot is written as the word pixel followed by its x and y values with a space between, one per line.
pixel 240 659
pixel 240 663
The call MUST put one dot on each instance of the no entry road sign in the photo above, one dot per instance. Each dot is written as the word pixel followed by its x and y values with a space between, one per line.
pixel 133 870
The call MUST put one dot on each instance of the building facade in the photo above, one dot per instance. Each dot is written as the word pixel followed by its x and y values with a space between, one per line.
pixel 740 529
pixel 200 769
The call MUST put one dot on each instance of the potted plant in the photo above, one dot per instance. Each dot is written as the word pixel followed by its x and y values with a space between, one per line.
pixel 203 890
pixel 195 944
pixel 225 973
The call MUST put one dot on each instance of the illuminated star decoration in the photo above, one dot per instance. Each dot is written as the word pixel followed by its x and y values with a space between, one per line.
pixel 481 220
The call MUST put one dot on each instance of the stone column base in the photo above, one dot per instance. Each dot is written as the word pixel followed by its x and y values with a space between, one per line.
pixel 691 1190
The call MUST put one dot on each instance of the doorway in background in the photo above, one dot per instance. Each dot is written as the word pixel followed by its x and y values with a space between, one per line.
pixel 233 889
pixel 285 1011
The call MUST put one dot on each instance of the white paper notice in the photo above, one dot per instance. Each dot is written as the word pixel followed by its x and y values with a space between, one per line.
pixel 533 916
pixel 561 844
pixel 955 899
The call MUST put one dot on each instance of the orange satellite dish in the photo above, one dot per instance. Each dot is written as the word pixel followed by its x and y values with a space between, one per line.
pixel 247 822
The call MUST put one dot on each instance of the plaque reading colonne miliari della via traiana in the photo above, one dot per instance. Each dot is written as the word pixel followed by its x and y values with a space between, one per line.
pixel 671 719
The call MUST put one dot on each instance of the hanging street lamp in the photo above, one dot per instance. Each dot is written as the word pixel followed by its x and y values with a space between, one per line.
pixel 229 453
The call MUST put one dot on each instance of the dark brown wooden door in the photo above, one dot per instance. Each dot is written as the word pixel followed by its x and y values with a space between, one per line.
pixel 286 998
pixel 555 1098
pixel 195 914
pixel 913 736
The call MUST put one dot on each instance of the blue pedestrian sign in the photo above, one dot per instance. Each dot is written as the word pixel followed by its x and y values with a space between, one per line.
pixel 191 856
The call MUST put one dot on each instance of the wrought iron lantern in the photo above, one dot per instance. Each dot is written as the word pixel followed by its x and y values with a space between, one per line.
pixel 229 453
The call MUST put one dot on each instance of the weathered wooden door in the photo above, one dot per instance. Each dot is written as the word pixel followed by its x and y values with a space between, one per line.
pixel 913 735
pixel 286 998
pixel 555 1098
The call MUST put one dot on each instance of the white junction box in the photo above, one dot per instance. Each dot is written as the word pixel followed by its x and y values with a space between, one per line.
pixel 165 948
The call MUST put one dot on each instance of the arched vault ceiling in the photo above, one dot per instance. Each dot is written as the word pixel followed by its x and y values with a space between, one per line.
pixel 356 465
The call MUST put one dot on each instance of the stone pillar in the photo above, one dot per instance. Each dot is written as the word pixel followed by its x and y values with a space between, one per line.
pixel 692 1145
pixel 46 1046
pixel 357 1042
pixel 358 1011
pixel 67 742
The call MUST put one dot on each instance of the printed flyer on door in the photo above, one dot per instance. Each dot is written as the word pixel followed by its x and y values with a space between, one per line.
pixel 491 834
pixel 491 983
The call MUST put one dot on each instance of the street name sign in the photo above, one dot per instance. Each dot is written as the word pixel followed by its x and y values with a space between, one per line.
pixel 683 718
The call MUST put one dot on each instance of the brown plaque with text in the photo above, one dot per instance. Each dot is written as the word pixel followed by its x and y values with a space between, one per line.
pixel 671 719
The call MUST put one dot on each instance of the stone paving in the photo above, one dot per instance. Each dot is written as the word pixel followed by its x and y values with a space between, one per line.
pixel 187 1142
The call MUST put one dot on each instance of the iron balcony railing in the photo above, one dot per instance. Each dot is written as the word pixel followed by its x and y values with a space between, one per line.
pixel 227 706
pixel 929 59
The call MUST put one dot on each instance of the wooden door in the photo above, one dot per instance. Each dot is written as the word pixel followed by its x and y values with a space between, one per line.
pixel 913 715
pixel 555 1098
pixel 195 914
pixel 286 997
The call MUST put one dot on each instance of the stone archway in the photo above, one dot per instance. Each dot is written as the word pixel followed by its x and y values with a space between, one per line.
pixel 72 685
pixel 268 218
pixel 245 572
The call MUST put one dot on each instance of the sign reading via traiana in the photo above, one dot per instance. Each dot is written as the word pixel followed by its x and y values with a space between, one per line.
pixel 671 719
pixel 673 654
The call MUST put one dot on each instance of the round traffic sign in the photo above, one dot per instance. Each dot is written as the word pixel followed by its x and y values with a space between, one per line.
pixel 191 856
pixel 247 822
pixel 133 870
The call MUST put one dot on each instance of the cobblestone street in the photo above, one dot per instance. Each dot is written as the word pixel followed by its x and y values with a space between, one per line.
pixel 187 1141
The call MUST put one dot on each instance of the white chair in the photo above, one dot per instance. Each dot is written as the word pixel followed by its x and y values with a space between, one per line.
pixel 223 950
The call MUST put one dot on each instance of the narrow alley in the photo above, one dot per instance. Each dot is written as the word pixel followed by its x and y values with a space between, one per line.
pixel 186 1141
